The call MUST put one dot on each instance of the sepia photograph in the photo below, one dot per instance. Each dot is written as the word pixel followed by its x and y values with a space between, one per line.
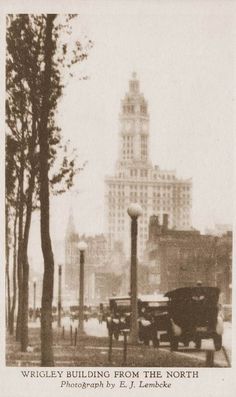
pixel 118 201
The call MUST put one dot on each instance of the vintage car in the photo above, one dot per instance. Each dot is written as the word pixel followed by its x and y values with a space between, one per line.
pixel 119 317
pixel 74 312
pixel 195 315
pixel 103 312
pixel 152 317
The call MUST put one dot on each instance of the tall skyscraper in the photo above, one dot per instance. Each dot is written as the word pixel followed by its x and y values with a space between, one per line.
pixel 158 191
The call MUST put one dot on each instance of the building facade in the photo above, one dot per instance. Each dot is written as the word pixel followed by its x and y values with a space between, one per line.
pixel 178 258
pixel 100 278
pixel 137 180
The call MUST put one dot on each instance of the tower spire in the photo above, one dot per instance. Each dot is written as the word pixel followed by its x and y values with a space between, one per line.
pixel 70 226
pixel 134 121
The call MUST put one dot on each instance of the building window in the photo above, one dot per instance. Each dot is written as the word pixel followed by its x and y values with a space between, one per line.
pixel 143 109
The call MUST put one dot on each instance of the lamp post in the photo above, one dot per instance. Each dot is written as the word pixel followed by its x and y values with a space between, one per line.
pixel 59 297
pixel 82 248
pixel 134 212
pixel 34 301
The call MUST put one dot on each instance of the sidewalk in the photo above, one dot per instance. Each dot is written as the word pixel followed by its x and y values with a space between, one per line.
pixel 91 352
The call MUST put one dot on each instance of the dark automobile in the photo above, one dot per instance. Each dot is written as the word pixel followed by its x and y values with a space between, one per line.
pixel 74 312
pixel 195 315
pixel 104 312
pixel 119 317
pixel 152 317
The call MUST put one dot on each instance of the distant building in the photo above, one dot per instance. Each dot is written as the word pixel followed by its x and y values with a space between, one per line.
pixel 71 268
pixel 136 180
pixel 178 258
pixel 100 279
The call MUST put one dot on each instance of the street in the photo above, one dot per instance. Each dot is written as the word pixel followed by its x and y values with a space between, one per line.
pixel 207 344
pixel 93 328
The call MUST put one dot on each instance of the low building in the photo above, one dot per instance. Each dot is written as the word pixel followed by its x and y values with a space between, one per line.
pixel 178 258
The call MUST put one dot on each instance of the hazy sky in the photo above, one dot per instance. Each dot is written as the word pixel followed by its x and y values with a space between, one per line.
pixel 183 55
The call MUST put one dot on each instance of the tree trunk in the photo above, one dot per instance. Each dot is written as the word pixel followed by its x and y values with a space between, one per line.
pixel 47 294
pixel 25 265
pixel 12 312
pixel 25 295
pixel 7 267
pixel 25 262
pixel 20 243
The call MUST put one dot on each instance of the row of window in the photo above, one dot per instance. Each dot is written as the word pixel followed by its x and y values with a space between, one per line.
pixel 165 176
pixel 128 138
pixel 143 172
pixel 131 109
pixel 127 152
pixel 156 197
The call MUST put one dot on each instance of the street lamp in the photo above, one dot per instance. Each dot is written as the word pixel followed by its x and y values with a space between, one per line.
pixel 59 297
pixel 134 211
pixel 82 248
pixel 34 302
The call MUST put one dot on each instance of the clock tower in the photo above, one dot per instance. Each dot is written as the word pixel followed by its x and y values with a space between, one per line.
pixel 136 180
pixel 134 126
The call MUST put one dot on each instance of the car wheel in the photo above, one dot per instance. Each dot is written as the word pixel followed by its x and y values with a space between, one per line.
pixel 185 341
pixel 155 342
pixel 141 337
pixel 198 343
pixel 218 342
pixel 174 343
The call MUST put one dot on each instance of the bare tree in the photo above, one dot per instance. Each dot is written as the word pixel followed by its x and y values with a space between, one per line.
pixel 35 61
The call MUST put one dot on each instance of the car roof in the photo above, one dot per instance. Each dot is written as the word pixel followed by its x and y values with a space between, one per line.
pixel 153 298
pixel 188 292
pixel 119 297
pixel 143 298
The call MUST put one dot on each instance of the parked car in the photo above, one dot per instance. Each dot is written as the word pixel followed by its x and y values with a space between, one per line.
pixel 152 317
pixel 104 312
pixel 195 315
pixel 74 312
pixel 119 317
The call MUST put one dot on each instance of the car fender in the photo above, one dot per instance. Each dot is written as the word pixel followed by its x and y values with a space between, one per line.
pixel 175 328
pixel 220 325
pixel 145 323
